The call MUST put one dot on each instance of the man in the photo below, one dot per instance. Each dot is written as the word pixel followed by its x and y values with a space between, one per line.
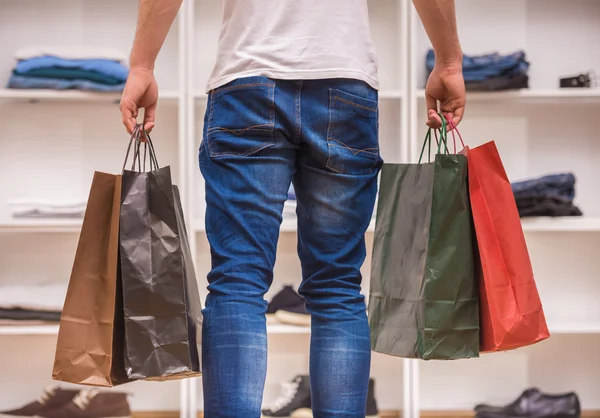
pixel 293 98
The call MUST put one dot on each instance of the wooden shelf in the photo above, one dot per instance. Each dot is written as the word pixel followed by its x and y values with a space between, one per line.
pixel 527 95
pixel 565 224
pixel 72 95
pixel 11 330
pixel 41 226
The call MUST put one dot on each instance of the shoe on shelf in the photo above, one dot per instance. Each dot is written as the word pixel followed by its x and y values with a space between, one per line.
pixel 294 400
pixel 53 397
pixel 294 315
pixel 372 411
pixel 527 393
pixel 93 404
pixel 285 298
pixel 535 404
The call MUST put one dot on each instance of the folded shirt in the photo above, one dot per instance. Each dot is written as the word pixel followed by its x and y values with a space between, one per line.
pixel 24 82
pixel 72 53
pixel 72 74
pixel 46 209
pixel 24 315
pixel 105 67
pixel 560 185
pixel 41 297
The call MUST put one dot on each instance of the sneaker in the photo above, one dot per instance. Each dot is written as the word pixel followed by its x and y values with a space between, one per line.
pixel 294 399
pixel 93 404
pixel 372 411
pixel 294 315
pixel 53 397
pixel 287 297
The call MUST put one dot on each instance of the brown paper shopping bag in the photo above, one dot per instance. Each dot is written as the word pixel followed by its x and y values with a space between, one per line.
pixel 91 335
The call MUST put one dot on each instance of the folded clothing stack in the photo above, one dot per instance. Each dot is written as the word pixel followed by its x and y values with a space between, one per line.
pixel 43 209
pixel 550 195
pixel 35 303
pixel 57 68
pixel 492 72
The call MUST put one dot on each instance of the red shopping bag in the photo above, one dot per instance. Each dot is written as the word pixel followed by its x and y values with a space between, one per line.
pixel 510 307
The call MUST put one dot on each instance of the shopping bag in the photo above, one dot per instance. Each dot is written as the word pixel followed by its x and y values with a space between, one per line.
pixel 423 299
pixel 160 295
pixel 511 310
pixel 89 350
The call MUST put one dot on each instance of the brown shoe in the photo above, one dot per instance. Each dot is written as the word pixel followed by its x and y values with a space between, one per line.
pixel 52 398
pixel 93 404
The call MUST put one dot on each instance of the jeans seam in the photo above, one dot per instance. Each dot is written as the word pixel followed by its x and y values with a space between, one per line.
pixel 299 112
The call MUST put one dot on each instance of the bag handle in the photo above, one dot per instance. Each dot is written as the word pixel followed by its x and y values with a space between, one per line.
pixel 443 139
pixel 454 128
pixel 139 136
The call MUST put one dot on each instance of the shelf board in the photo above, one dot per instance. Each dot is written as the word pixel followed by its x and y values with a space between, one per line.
pixel 542 224
pixel 548 95
pixel 5 330
pixel 283 329
pixel 564 224
pixel 574 328
pixel 41 226
pixel 28 330
pixel 383 95
pixel 71 95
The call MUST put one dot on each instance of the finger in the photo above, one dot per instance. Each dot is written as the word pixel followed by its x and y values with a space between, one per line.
pixel 432 108
pixel 149 117
pixel 434 120
pixel 128 115
pixel 458 115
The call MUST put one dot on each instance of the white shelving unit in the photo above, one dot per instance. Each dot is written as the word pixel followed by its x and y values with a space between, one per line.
pixel 50 143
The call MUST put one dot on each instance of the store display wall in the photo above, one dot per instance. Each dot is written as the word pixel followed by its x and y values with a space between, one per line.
pixel 51 142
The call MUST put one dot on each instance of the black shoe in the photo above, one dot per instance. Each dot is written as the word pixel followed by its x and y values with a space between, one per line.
pixel 372 411
pixel 535 404
pixel 525 395
pixel 286 298
pixel 294 399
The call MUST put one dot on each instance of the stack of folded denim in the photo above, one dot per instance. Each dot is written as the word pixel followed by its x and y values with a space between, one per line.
pixel 546 196
pixel 91 69
pixel 492 72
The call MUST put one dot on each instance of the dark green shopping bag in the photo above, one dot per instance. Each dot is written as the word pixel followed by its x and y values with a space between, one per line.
pixel 424 297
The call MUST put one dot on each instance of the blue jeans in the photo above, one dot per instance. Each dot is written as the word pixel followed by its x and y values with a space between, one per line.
pixel 259 136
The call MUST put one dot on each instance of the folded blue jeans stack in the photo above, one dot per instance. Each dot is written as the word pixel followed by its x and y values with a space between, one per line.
pixel 492 72
pixel 60 70
pixel 550 195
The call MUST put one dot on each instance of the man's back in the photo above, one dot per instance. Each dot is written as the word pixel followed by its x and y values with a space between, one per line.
pixel 300 39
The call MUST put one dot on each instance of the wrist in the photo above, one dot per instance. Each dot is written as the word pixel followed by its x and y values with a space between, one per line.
pixel 453 61
pixel 145 68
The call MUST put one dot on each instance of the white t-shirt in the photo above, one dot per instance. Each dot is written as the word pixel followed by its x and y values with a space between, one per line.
pixel 295 40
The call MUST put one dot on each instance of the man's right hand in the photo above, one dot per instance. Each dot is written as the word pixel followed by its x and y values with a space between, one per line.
pixel 141 92
pixel 446 85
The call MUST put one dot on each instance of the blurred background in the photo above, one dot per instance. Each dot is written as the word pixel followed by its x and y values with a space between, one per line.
pixel 529 69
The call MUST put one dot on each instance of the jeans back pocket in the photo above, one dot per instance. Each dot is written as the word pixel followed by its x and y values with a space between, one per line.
pixel 241 117
pixel 352 136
